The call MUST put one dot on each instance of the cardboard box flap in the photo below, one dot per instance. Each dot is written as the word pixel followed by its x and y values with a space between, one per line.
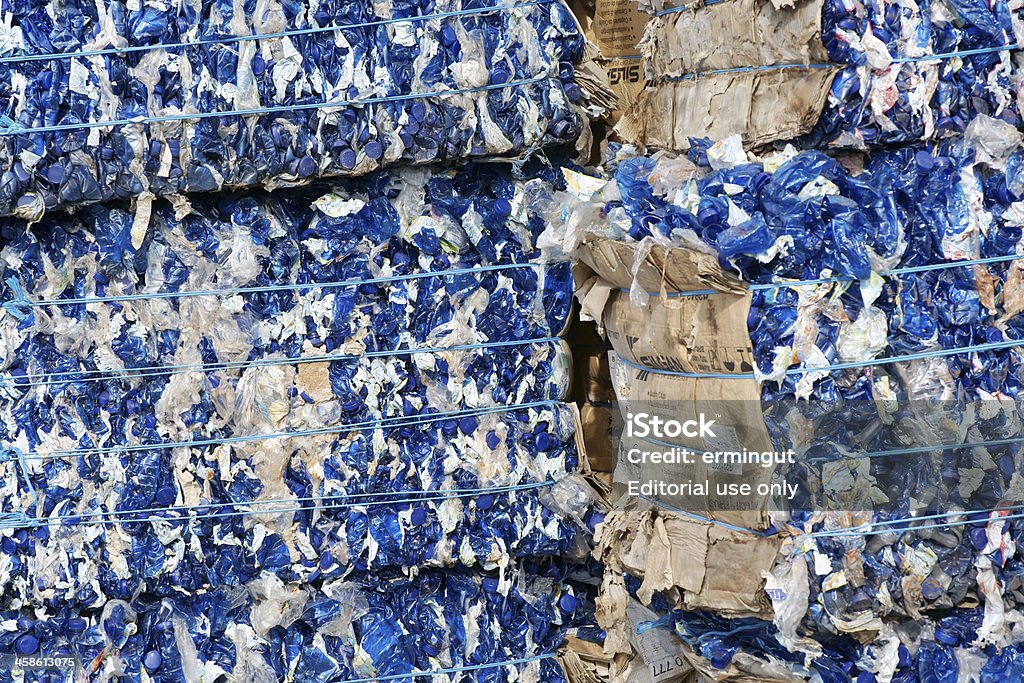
pixel 712 566
pixel 672 269
pixel 761 106
pixel 739 33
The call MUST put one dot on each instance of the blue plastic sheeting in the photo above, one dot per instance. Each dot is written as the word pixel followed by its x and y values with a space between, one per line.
pixel 917 70
pixel 490 80
pixel 197 398
pixel 334 630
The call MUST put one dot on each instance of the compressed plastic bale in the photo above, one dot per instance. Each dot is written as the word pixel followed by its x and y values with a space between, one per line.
pixel 112 101
pixel 201 447
pixel 163 423
pixel 880 244
pixel 508 626
pixel 834 73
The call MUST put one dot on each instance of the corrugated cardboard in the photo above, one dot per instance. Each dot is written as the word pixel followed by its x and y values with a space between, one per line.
pixel 733 34
pixel 689 95
pixel 659 269
pixel 616 27
pixel 598 434
pixel 701 334
pixel 698 559
pixel 735 407
pixel 761 106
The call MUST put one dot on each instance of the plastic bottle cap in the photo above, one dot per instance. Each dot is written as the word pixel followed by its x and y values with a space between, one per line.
pixel 153 660
pixel 567 602
pixel 419 111
pixel 26 645
pixel 419 516
pixel 165 495
pixel 307 167
pixel 485 501
pixel 374 149
pixel 348 159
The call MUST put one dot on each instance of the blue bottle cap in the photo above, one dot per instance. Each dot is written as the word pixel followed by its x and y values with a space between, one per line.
pixel 419 516
pixel 152 660
pixel 374 149
pixel 567 602
pixel 978 538
pixel 489 584
pixel 165 495
pixel 418 111
pixel 55 174
pixel 348 159
pixel 485 501
pixel 543 441
pixel 26 645
pixel 76 625
pixel 326 560
pixel 307 167
pixel 468 424
pixel 492 440
pixel 924 160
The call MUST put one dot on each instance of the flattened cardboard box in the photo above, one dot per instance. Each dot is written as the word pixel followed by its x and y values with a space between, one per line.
pixel 694 63
pixel 709 566
pixel 616 27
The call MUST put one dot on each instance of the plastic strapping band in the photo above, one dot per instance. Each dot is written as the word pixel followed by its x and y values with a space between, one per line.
pixel 340 501
pixel 271 110
pixel 18 520
pixel 684 8
pixel 882 527
pixel 805 67
pixel 228 40
pixel 397 423
pixel 909 270
pixel 18 306
pixel 701 518
pixel 934 353
pixel 914 450
pixel 453 670
pixel 22 301
pixel 158 371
